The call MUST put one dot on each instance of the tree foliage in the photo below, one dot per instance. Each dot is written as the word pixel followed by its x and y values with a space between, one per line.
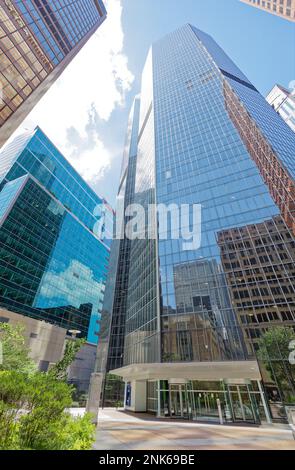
pixel 33 405
pixel 33 414
pixel 14 350
pixel 59 370
pixel 274 352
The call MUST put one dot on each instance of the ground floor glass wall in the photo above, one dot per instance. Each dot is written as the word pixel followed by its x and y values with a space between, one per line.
pixel 207 401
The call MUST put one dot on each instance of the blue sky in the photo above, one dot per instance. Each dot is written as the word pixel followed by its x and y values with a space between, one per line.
pixel 261 44
pixel 92 132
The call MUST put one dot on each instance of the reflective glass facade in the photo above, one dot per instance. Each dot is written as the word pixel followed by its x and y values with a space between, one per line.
pixel 125 197
pixel 112 336
pixel 38 38
pixel 142 331
pixel 215 303
pixel 55 234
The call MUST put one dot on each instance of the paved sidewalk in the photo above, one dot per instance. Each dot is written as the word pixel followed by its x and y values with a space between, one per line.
pixel 121 431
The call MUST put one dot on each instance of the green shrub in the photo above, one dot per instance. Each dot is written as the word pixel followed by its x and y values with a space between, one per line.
pixel 33 416
pixel 9 427
pixel 15 352
pixel 33 404
pixel 62 433
pixel 67 433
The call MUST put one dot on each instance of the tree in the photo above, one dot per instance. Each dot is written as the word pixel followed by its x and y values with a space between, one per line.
pixel 14 350
pixel 66 433
pixel 59 370
pixel 12 400
pixel 274 352
pixel 46 401
pixel 33 414
pixel 113 391
pixel 33 405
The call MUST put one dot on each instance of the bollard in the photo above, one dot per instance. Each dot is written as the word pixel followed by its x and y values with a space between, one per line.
pixel 219 411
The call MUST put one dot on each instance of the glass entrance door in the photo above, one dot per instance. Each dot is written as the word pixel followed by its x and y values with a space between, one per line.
pixel 179 407
pixel 205 405
pixel 244 407
pixel 216 402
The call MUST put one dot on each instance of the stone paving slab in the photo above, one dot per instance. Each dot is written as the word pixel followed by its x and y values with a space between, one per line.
pixel 119 431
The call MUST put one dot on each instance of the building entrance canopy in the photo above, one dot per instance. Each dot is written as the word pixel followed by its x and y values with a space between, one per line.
pixel 232 370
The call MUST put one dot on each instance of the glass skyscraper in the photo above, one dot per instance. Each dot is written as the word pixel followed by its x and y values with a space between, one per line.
pixel 186 328
pixel 38 39
pixel 55 235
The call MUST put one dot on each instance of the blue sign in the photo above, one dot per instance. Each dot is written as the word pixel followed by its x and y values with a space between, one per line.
pixel 128 394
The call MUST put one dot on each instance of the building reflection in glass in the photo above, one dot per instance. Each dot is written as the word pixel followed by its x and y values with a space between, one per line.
pixel 202 327
pixel 259 264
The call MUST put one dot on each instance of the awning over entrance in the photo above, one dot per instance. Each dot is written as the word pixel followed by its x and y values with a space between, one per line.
pixel 234 370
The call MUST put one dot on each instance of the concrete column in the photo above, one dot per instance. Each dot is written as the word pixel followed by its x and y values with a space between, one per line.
pixel 138 396
pixel 94 395
pixel 159 399
pixel 125 394
pixel 180 400
pixel 241 403
pixel 266 410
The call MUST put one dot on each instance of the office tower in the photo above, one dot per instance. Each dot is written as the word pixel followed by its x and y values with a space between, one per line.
pixel 283 101
pixel 283 8
pixel 38 39
pixel 125 198
pixel 206 136
pixel 55 237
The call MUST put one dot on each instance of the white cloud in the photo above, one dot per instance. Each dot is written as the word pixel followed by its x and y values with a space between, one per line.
pixel 91 87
